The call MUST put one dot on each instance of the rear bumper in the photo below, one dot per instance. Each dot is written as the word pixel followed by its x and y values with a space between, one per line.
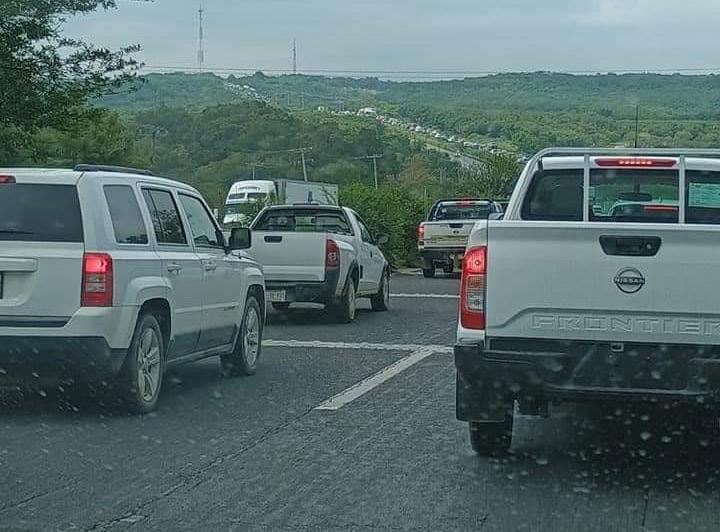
pixel 491 378
pixel 441 254
pixel 306 292
pixel 37 360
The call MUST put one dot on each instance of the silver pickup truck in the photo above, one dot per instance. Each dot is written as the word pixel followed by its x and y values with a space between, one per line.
pixel 442 238
pixel 600 284
pixel 320 254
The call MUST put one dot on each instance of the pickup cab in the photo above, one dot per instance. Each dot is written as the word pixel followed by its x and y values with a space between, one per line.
pixel 442 238
pixel 599 284
pixel 320 254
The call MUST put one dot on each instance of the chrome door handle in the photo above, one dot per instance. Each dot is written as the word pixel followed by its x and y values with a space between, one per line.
pixel 174 268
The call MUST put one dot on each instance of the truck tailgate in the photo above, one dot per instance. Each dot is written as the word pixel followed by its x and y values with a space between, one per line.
pixel 449 234
pixel 574 281
pixel 289 256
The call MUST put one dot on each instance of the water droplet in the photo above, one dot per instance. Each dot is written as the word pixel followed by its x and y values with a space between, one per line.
pixel 645 436
pixel 542 460
pixel 666 439
pixel 217 395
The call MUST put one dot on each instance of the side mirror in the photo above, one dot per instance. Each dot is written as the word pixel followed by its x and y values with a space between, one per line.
pixel 381 240
pixel 240 238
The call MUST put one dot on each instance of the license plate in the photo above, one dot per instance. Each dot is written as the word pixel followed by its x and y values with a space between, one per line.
pixel 276 296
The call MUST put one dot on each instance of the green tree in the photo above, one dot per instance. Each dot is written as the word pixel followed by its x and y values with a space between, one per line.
pixel 45 76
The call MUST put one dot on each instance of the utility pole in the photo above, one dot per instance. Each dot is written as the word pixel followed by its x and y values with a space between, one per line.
pixel 637 123
pixel 374 160
pixel 304 163
pixel 294 56
pixel 201 49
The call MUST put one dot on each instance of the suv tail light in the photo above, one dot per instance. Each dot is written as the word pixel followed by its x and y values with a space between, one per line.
pixel 97 280
pixel 332 255
pixel 472 288
pixel 421 234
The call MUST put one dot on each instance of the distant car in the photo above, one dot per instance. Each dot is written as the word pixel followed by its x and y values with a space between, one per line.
pixel 442 238
pixel 110 274
pixel 320 254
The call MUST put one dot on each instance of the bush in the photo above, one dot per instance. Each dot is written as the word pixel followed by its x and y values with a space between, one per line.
pixel 390 210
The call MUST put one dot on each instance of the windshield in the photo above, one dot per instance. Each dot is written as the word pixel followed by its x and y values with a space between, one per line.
pixel 360 266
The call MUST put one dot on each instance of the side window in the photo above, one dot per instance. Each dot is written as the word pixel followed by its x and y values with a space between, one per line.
pixel 364 233
pixel 127 221
pixel 203 229
pixel 555 196
pixel 165 217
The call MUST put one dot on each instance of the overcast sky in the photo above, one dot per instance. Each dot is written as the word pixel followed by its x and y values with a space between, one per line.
pixel 418 35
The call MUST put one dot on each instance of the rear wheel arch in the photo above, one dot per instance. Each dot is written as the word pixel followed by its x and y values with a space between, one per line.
pixel 162 311
pixel 355 274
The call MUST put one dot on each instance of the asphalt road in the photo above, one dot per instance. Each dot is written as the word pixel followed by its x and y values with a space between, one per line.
pixel 347 428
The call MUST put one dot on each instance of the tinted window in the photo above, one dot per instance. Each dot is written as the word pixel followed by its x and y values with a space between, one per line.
pixel 166 219
pixel 461 211
pixel 364 231
pixel 125 214
pixel 304 221
pixel 703 197
pixel 628 195
pixel 202 227
pixel 555 195
pixel 40 213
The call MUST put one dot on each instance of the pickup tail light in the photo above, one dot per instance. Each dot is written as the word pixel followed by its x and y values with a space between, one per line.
pixel 472 288
pixel 635 162
pixel 7 180
pixel 332 255
pixel 421 234
pixel 97 280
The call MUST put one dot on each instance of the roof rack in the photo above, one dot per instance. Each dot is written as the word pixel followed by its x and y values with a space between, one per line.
pixel 110 168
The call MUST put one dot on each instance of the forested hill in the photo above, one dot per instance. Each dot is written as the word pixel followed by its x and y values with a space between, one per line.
pixel 674 96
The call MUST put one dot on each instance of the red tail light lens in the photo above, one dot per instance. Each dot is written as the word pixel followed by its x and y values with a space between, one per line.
pixel 635 162
pixel 7 179
pixel 472 288
pixel 332 255
pixel 660 208
pixel 421 234
pixel 97 280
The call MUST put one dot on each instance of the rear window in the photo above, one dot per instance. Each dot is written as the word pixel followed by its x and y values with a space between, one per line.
pixel 304 221
pixel 626 195
pixel 461 211
pixel 40 213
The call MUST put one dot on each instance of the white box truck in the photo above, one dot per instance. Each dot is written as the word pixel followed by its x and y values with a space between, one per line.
pixel 247 198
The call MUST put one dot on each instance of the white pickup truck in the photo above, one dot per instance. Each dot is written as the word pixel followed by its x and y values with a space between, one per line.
pixel 601 283
pixel 442 238
pixel 320 254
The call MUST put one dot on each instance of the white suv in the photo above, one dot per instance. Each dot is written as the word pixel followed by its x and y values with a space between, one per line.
pixel 110 274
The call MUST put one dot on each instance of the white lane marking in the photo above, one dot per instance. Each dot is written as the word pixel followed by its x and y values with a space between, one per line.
pixel 336 402
pixel 364 346
pixel 428 296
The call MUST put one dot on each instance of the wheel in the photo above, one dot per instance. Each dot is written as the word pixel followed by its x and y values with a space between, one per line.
pixel 449 267
pixel 429 273
pixel 380 302
pixel 344 309
pixel 141 377
pixel 248 345
pixel 281 307
pixel 491 438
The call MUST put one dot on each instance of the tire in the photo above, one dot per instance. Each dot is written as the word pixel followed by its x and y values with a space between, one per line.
pixel 281 307
pixel 344 310
pixel 449 268
pixel 141 377
pixel 428 273
pixel 248 345
pixel 491 438
pixel 380 302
